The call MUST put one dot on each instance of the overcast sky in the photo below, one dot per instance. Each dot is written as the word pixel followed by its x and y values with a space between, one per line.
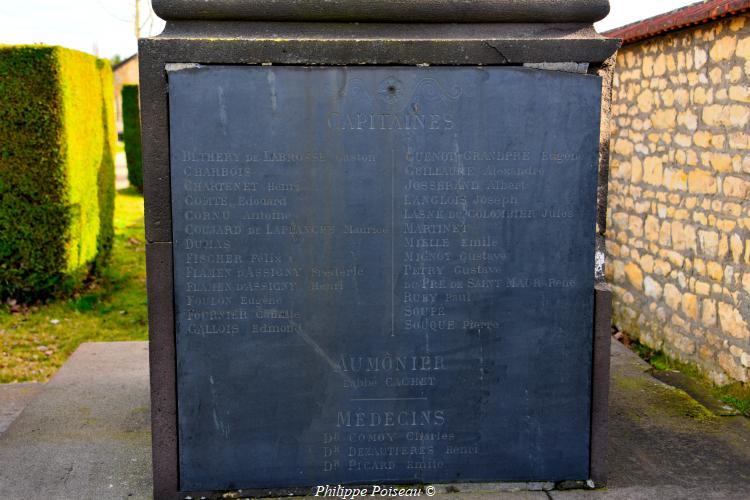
pixel 107 26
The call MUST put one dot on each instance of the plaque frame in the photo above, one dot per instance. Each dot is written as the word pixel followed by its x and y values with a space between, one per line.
pixel 572 46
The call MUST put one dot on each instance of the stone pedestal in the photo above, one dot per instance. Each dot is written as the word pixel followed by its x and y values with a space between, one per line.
pixel 375 220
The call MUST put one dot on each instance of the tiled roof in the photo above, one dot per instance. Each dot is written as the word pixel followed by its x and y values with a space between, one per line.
pixel 697 13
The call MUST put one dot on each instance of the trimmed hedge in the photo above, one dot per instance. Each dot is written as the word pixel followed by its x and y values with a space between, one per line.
pixel 106 177
pixel 56 169
pixel 131 134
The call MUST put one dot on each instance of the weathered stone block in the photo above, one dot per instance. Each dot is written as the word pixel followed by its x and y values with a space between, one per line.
pixel 716 75
pixel 743 48
pixel 682 97
pixel 647 66
pixel 699 57
pixel 721 162
pixel 700 266
pixel 647 263
pixel 715 115
pixel 664 119
pixel 683 140
pixel 636 170
pixel 736 246
pixel 736 187
pixel 739 140
pixel 672 296
pixel 700 218
pixel 702 288
pixel 683 236
pixel 739 93
pixel 732 367
pixel 683 343
pixel 665 234
pixel 726 225
pixel 662 267
pixel 708 312
pixel 645 101
pixel 690 305
pixel 660 65
pixel 688 119
pixel 709 241
pixel 620 219
pixel 738 115
pixel 635 225
pixel 737 23
pixel 732 322
pixel 701 181
pixel 715 271
pixel 702 138
pixel 653 170
pixel 634 274
pixel 652 228
pixel 652 288
pixel 723 49
pixel 623 147
pixel 732 209
pixel 675 179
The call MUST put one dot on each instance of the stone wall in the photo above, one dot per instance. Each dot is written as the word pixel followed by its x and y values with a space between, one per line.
pixel 679 217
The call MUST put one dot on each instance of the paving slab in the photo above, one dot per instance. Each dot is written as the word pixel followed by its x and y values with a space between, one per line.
pixel 13 399
pixel 665 445
pixel 87 436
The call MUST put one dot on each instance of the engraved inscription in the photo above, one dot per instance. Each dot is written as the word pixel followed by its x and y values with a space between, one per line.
pixel 382 274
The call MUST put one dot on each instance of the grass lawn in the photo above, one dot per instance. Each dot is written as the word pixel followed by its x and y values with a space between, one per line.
pixel 36 341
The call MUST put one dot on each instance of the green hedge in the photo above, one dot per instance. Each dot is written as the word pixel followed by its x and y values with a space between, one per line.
pixel 131 124
pixel 56 169
pixel 106 175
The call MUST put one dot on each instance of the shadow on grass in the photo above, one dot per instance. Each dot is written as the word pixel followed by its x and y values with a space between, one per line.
pixel 35 341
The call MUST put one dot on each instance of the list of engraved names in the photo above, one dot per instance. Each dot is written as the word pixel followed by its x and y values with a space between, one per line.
pixel 371 262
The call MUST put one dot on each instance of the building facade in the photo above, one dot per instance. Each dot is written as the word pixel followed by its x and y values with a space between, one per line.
pixel 125 73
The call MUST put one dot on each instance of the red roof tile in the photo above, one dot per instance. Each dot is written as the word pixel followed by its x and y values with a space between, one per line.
pixel 697 13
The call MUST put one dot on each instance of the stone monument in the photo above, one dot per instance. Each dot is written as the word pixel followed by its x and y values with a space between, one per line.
pixel 372 231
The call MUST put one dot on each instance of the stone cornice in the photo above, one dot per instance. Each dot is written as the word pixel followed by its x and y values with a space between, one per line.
pixel 401 11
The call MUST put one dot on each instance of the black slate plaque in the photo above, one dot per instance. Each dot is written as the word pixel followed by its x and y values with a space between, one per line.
pixel 382 275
